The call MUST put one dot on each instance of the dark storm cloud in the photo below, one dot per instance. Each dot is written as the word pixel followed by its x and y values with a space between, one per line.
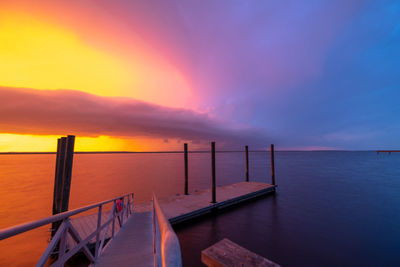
pixel 45 112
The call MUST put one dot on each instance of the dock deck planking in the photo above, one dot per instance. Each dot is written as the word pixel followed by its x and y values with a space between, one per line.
pixel 85 225
pixel 179 208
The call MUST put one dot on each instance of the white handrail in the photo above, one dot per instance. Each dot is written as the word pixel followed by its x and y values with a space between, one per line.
pixel 66 228
pixel 24 227
pixel 167 251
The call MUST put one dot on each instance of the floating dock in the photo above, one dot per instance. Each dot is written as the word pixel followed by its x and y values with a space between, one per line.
pixel 180 208
pixel 133 242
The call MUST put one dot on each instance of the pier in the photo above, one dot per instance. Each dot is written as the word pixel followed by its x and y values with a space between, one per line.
pixel 387 151
pixel 122 233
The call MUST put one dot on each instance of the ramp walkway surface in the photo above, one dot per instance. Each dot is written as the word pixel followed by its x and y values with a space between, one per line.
pixel 133 245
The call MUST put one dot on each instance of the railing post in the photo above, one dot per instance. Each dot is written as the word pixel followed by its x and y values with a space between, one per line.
pixel 154 234
pixel 114 210
pixel 126 208
pixel 213 197
pixel 97 248
pixel 129 206
pixel 63 240
pixel 133 201
pixel 186 169
pixel 272 165
pixel 122 211
pixel 247 162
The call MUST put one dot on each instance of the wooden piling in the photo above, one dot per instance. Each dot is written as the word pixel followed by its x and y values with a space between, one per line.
pixel 186 169
pixel 58 175
pixel 58 182
pixel 56 186
pixel 69 157
pixel 213 196
pixel 247 162
pixel 272 165
pixel 62 178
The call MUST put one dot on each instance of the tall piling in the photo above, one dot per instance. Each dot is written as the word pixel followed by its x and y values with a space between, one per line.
pixel 69 158
pixel 246 149
pixel 272 165
pixel 185 146
pixel 62 177
pixel 213 191
pixel 60 159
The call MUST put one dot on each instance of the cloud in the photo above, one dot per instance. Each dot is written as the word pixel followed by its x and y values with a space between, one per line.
pixel 58 112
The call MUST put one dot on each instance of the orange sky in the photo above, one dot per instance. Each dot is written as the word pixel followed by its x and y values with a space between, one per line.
pixel 45 143
pixel 39 52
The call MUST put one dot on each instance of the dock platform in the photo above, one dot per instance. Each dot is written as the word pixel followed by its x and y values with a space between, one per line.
pixel 134 240
pixel 179 208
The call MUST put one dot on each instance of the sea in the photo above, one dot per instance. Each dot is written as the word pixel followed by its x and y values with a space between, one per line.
pixel 331 208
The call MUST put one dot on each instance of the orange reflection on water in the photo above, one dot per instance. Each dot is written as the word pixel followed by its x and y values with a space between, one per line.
pixel 26 190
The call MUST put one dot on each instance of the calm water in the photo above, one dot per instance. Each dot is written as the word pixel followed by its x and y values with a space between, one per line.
pixel 331 208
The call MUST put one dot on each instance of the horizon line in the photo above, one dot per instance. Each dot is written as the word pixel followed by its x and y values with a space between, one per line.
pixel 193 151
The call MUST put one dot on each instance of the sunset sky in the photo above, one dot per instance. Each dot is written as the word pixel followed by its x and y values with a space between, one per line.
pixel 150 75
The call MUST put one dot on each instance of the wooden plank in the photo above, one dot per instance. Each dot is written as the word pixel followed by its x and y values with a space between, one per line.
pixel 228 253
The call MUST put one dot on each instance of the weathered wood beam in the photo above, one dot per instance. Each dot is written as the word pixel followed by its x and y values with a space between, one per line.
pixel 228 253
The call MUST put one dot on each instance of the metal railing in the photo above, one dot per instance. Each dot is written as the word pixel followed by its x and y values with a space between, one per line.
pixel 122 207
pixel 167 251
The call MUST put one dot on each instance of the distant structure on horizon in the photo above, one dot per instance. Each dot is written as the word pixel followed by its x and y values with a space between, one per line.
pixel 387 151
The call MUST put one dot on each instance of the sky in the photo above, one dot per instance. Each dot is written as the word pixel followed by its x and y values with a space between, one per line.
pixel 151 75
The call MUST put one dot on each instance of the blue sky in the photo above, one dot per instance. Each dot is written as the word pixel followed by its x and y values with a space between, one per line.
pixel 311 73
